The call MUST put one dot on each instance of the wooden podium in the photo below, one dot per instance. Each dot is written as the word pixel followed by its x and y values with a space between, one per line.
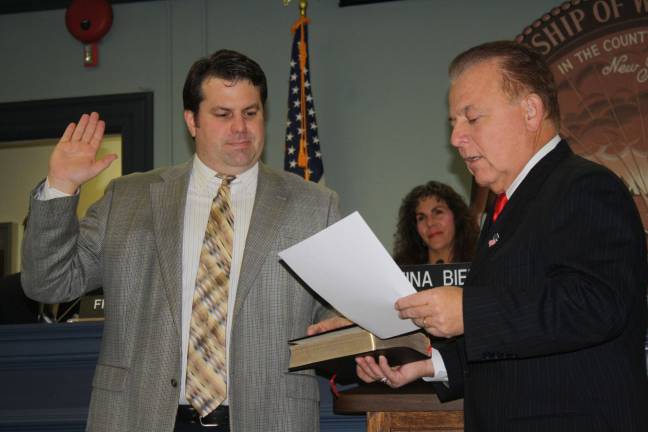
pixel 413 408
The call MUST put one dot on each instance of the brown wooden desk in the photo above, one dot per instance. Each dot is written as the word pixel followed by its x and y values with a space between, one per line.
pixel 413 408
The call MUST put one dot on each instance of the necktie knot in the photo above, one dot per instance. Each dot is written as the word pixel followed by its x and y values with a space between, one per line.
pixel 500 202
pixel 227 179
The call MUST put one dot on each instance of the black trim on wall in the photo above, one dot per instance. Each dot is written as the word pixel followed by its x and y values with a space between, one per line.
pixel 18 6
pixel 344 3
pixel 129 114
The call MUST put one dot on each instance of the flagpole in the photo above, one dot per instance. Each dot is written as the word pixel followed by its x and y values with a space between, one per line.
pixel 303 4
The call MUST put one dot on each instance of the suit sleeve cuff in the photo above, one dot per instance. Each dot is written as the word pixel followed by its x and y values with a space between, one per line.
pixel 45 192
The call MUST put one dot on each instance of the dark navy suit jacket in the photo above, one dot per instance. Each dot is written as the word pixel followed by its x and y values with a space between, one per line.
pixel 554 308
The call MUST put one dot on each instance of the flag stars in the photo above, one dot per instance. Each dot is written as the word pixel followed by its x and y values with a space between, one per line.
pixel 318 154
pixel 309 98
pixel 313 126
pixel 295 90
pixel 307 84
pixel 291 149
pixel 293 77
pixel 311 112
pixel 292 163
pixel 289 136
pixel 298 117
pixel 296 104
pixel 316 140
pixel 292 65
pixel 300 131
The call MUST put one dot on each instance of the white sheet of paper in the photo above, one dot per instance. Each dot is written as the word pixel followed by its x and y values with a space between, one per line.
pixel 348 266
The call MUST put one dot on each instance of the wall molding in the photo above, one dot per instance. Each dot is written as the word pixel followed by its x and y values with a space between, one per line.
pixel 127 114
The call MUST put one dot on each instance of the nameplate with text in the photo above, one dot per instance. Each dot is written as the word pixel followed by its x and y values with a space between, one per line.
pixel 91 307
pixel 426 276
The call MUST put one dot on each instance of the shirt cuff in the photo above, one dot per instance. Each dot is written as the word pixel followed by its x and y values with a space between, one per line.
pixel 46 192
pixel 440 372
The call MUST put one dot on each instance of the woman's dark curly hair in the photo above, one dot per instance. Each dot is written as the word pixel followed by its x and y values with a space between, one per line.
pixel 409 248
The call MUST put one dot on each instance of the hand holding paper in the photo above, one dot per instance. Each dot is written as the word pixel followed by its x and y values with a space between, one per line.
pixel 438 311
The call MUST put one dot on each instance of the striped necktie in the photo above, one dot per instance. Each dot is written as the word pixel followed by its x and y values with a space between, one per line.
pixel 206 385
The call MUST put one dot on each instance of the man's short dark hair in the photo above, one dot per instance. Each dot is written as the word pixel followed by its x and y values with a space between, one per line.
pixel 225 64
pixel 523 70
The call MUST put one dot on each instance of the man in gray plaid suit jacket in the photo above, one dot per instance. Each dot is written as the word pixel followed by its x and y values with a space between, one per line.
pixel 141 243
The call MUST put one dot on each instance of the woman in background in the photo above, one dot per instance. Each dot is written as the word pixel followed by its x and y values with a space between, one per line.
pixel 434 226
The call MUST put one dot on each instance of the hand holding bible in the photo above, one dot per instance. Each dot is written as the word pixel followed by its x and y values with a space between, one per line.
pixel 369 370
pixel 327 325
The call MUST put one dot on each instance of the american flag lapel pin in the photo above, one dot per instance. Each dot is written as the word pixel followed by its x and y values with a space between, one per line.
pixel 494 240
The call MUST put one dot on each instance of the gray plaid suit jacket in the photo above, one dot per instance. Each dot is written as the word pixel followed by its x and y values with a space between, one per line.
pixel 130 243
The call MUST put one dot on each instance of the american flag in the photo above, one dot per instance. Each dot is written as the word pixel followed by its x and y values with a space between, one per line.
pixel 303 155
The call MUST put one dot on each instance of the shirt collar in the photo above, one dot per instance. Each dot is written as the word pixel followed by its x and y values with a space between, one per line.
pixel 544 150
pixel 205 177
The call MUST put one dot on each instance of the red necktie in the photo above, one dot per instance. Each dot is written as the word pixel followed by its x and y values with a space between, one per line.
pixel 500 202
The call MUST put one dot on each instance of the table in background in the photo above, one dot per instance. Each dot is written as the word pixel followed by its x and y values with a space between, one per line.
pixel 46 375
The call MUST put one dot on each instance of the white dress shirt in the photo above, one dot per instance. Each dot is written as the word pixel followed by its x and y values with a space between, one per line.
pixel 544 151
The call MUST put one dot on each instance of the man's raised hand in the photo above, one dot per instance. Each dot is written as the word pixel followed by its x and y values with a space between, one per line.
pixel 73 161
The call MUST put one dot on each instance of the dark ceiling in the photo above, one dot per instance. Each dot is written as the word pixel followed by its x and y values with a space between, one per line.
pixel 18 6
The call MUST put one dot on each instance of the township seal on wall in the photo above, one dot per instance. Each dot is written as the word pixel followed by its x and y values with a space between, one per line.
pixel 598 53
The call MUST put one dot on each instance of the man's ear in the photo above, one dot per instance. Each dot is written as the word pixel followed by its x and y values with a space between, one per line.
pixel 534 111
pixel 190 121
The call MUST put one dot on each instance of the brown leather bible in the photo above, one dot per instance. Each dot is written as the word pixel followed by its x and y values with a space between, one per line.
pixel 334 351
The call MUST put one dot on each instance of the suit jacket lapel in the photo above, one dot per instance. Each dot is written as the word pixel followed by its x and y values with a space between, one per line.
pixel 267 218
pixel 168 198
pixel 516 208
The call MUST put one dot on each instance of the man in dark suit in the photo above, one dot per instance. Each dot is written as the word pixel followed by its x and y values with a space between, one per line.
pixel 551 322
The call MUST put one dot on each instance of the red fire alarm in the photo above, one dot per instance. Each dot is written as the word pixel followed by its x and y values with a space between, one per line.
pixel 89 21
